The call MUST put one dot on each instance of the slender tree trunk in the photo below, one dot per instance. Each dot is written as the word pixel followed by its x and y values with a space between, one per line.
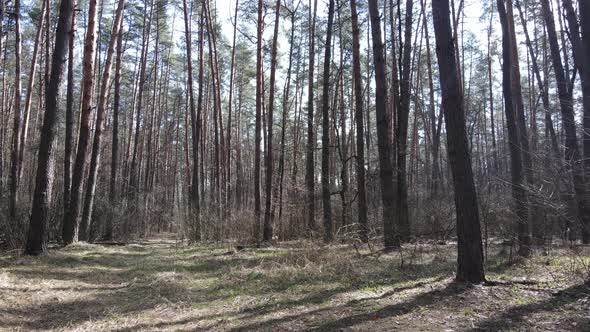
pixel 258 125
pixel 519 193
pixel 30 86
pixel 100 118
pixel 115 140
pixel 2 108
pixel 137 144
pixel 326 196
pixel 268 227
pixel 194 191
pixel 286 107
pixel 69 118
pixel 495 164
pixel 71 222
pixel 198 166
pixel 581 53
pixel 385 168
pixel 434 124
pixel 360 134
pixel 39 224
pixel 402 130
pixel 230 105
pixel 14 160
pixel 572 153
pixel 310 149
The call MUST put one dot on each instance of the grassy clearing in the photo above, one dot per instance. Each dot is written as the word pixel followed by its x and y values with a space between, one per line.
pixel 163 285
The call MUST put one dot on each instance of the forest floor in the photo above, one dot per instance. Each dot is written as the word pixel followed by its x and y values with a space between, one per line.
pixel 294 286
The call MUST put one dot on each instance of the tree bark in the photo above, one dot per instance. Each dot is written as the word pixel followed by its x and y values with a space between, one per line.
pixel 572 153
pixel 100 118
pixel 194 191
pixel 470 253
pixel 360 132
pixel 326 197
pixel 37 237
pixel 71 221
pixel 30 86
pixel 69 118
pixel 267 231
pixel 310 148
pixel 515 139
pixel 135 169
pixel 402 131
pixel 115 140
pixel 258 124
pixel 14 160
pixel 391 238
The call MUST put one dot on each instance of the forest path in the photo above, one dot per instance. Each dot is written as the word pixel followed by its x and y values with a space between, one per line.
pixel 164 285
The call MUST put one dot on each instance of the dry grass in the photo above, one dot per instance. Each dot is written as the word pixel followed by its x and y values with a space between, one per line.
pixel 162 285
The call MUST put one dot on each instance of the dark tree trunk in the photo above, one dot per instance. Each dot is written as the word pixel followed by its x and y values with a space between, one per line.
pixel 268 229
pixel 358 115
pixel 27 109
pixel 515 139
pixel 71 221
pixel 39 226
pixel 137 144
pixel 194 191
pixel 100 118
pixel 470 253
pixel 327 206
pixel 391 239
pixel 14 165
pixel 258 124
pixel 115 140
pixel 572 153
pixel 402 130
pixel 230 105
pixel 581 51
pixel 309 155
pixel 69 118
pixel 286 106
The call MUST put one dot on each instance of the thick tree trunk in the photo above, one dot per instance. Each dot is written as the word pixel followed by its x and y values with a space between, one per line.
pixel 39 223
pixel 470 253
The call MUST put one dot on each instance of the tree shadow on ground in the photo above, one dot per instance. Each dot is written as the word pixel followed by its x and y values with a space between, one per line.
pixel 137 280
pixel 514 317
pixel 339 324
